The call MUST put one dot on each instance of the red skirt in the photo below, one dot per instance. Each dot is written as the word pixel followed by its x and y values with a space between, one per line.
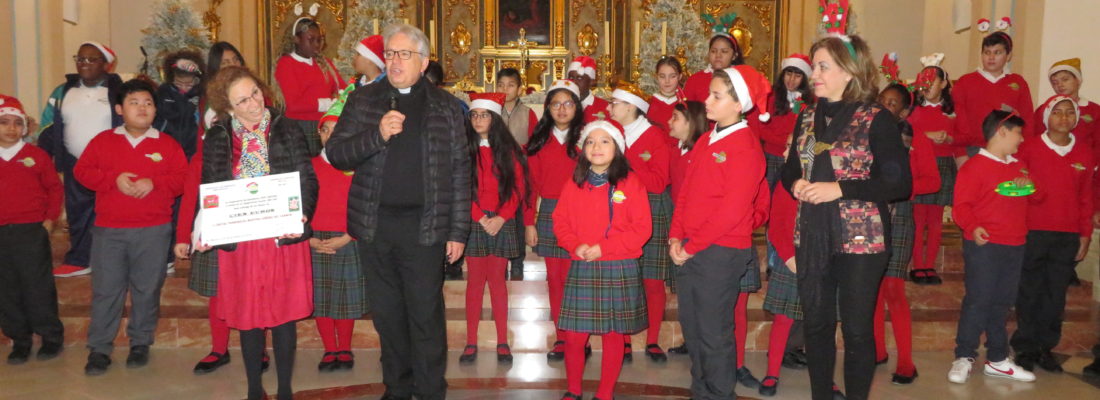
pixel 261 285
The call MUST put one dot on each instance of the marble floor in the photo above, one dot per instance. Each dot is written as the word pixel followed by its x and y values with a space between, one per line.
pixel 530 377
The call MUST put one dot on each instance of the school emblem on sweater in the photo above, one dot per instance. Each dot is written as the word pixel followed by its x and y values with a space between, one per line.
pixel 645 156
pixel 618 197
pixel 156 157
pixel 1078 166
pixel 27 162
pixel 348 173
pixel 1087 118
pixel 719 157
pixel 1014 86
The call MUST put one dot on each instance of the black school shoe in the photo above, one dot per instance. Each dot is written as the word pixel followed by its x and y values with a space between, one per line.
pixel 1050 363
pixel 570 396
pixel 557 353
pixel 1027 360
pixel 328 362
pixel 745 378
pixel 139 357
pixel 681 349
pixel 19 354
pixel 767 390
pixel 49 351
pixel 345 360
pixel 203 368
pixel 794 359
pixel 469 355
pixel 655 353
pixel 628 353
pixel 904 380
pixel 504 353
pixel 97 364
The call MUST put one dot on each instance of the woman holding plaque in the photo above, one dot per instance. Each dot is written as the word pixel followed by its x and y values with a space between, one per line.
pixel 264 283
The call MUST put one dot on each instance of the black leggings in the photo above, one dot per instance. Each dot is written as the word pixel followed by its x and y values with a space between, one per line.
pixel 253 342
pixel 851 281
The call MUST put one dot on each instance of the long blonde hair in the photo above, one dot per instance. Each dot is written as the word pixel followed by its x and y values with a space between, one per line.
pixel 864 84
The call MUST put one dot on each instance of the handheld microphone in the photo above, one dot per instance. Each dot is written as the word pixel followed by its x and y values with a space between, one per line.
pixel 393 99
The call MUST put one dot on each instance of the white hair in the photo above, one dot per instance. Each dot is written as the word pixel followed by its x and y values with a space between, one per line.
pixel 409 31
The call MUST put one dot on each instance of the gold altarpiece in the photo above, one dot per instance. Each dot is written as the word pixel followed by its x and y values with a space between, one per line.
pixel 473 39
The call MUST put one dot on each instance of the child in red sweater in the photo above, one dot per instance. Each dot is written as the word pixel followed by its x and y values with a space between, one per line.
pixel 711 233
pixel 582 72
pixel 1059 227
pixel 137 173
pixel 669 93
pixel 990 88
pixel 602 220
pixel 500 189
pixel 791 94
pixel 30 205
pixel 308 80
pixel 648 153
pixel 991 210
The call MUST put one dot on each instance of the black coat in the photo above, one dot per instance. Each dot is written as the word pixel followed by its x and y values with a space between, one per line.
pixel 356 144
pixel 286 153
pixel 177 115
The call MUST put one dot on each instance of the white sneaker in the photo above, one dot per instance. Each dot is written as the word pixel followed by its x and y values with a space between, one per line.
pixel 960 370
pixel 1008 369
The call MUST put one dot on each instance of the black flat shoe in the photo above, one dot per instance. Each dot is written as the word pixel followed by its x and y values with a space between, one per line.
pixel 628 353
pixel 49 351
pixel 139 357
pixel 745 378
pixel 933 278
pixel 794 360
pixel 328 362
pixel 19 354
pixel 767 390
pixel 655 353
pixel 1027 360
pixel 97 364
pixel 570 396
pixel 345 360
pixel 203 368
pixel 469 355
pixel 557 352
pixel 681 349
pixel 1050 363
pixel 904 380
pixel 504 353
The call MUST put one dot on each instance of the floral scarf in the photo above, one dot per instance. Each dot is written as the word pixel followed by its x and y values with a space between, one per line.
pixel 254 158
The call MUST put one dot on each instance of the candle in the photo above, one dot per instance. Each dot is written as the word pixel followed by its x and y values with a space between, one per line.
pixel 607 37
pixel 637 36
pixel 406 20
pixel 376 26
pixel 664 31
pixel 431 35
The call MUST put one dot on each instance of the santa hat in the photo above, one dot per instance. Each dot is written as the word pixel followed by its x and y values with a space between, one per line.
pixel 1053 101
pixel 611 127
pixel 11 106
pixel 800 61
pixel 565 84
pixel 108 54
pixel 371 48
pixel 632 94
pixel 489 101
pixel 1072 66
pixel 752 89
pixel 584 65
pixel 327 118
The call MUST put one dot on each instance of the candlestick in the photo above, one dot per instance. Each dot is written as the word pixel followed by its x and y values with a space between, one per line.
pixel 664 32
pixel 606 37
pixel 431 35
pixel 376 26
pixel 637 36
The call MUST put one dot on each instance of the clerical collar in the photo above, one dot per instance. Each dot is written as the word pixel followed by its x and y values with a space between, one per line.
pixel 301 59
pixel 634 130
pixel 993 79
pixel 560 135
pixel 667 100
pixel 1061 150
pixel 405 90
pixel 721 133
pixel 483 143
pixel 1009 159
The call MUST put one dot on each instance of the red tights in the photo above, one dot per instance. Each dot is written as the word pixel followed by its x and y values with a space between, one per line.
pixel 610 365
pixel 741 326
pixel 926 217
pixel 777 343
pixel 557 271
pixel 481 270
pixel 335 333
pixel 219 332
pixel 655 302
pixel 892 293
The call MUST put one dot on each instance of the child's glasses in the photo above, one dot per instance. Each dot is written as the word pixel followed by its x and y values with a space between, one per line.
pixel 476 115
pixel 87 60
pixel 559 105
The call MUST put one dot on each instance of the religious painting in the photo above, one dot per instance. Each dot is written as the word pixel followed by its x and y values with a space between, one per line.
pixel 533 16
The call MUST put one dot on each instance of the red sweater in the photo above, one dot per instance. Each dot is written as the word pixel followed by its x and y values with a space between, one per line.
pixel 598 106
pixel 922 165
pixel 488 198
pixel 109 154
pixel 677 169
pixel 190 200
pixel 582 217
pixel 926 119
pixel 697 87
pixel 716 203
pixel 977 205
pixel 650 159
pixel 32 190
pixel 550 168
pixel 332 197
pixel 1065 204
pixel 975 97
pixel 784 210
pixel 660 112
pixel 774 133
pixel 303 84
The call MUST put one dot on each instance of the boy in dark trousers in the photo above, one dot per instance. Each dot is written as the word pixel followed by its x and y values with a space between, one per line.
pixel 990 206
pixel 136 172
pixel 1059 224
pixel 28 208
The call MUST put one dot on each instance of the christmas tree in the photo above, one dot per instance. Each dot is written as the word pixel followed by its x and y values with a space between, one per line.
pixel 684 30
pixel 173 26
pixel 361 17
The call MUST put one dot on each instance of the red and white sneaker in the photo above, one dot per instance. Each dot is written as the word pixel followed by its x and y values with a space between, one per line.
pixel 67 270
pixel 960 370
pixel 1008 369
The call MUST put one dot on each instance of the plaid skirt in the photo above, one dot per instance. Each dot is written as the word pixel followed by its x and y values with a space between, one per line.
pixel 750 282
pixel 782 296
pixel 204 273
pixel 504 244
pixel 902 234
pixel 339 287
pixel 313 140
pixel 544 225
pixel 602 297
pixel 655 261
pixel 946 165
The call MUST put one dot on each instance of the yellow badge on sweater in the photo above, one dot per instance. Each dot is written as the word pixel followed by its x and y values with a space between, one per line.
pixel 156 157
pixel 1014 86
pixel 28 162
pixel 719 157
pixel 618 197
pixel 645 156
pixel 1078 166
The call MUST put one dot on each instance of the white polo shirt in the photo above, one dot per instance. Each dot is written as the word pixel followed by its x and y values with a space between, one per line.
pixel 87 112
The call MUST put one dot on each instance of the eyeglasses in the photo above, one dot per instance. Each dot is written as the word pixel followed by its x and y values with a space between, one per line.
pixel 87 60
pixel 477 115
pixel 566 104
pixel 256 95
pixel 402 54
